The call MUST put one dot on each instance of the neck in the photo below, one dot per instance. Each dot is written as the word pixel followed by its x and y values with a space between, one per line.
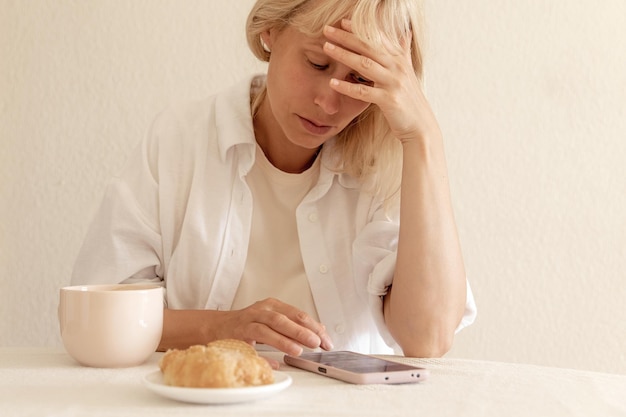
pixel 286 160
pixel 278 149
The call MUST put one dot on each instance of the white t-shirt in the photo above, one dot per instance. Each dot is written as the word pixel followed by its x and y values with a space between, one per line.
pixel 180 213
pixel 274 266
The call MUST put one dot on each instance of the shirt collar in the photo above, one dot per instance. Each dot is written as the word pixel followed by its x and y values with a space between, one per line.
pixel 233 121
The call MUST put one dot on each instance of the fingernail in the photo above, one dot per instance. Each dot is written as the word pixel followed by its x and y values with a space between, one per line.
pixel 328 344
pixel 329 29
pixel 334 81
pixel 329 45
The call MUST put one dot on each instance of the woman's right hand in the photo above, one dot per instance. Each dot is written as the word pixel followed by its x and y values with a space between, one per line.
pixel 275 324
pixel 270 322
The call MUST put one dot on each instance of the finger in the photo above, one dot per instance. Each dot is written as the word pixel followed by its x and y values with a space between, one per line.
pixel 346 24
pixel 258 323
pixel 327 342
pixel 405 44
pixel 306 330
pixel 361 92
pixel 348 40
pixel 345 38
pixel 367 70
pixel 265 334
pixel 287 328
pixel 319 329
pixel 357 58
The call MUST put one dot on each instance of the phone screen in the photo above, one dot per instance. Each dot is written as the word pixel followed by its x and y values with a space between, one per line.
pixel 359 364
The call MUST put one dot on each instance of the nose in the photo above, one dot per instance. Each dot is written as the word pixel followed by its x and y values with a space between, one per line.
pixel 327 99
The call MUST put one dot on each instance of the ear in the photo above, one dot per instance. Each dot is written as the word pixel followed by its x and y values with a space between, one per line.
pixel 266 41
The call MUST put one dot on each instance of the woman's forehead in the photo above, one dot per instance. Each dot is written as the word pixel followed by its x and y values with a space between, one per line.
pixel 303 39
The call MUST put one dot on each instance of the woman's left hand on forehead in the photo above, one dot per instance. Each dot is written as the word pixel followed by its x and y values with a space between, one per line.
pixel 394 87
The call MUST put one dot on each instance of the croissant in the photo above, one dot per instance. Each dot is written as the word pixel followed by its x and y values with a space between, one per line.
pixel 226 363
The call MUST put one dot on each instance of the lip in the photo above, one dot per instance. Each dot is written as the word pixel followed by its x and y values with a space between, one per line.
pixel 314 128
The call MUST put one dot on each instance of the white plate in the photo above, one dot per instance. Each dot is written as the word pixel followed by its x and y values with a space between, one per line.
pixel 154 382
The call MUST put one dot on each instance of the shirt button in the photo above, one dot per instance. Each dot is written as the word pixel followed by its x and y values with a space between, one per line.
pixel 323 269
pixel 313 217
pixel 340 328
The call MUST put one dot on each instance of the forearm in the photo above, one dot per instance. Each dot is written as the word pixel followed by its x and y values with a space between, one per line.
pixel 269 321
pixel 427 298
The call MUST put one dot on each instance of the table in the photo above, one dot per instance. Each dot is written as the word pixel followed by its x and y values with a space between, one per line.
pixel 47 382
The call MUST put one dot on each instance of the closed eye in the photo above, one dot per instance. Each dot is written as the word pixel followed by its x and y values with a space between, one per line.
pixel 357 78
pixel 320 67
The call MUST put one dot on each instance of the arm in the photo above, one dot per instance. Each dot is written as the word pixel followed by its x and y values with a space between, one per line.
pixel 269 322
pixel 429 281
pixel 426 301
pixel 125 244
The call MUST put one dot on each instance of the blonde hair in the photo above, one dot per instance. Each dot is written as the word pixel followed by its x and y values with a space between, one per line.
pixel 367 149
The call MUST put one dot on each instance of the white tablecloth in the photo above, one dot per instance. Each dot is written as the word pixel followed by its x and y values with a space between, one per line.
pixel 47 382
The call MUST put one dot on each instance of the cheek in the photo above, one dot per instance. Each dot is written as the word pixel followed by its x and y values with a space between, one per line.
pixel 355 107
pixel 292 86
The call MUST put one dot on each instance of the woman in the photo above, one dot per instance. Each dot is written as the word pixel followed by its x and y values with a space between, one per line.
pixel 306 209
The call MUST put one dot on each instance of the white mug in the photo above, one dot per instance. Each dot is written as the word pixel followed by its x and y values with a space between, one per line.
pixel 111 326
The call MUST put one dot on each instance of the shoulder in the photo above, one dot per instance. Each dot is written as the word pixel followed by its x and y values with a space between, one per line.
pixel 222 118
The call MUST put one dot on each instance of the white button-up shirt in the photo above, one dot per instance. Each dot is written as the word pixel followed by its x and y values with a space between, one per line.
pixel 180 213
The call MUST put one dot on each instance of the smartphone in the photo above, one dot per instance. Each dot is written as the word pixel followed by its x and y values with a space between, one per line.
pixel 357 368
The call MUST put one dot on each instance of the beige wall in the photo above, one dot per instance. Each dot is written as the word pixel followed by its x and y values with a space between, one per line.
pixel 531 97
